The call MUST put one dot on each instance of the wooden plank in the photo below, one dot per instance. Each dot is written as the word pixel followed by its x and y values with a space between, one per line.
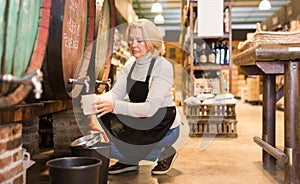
pixel 42 37
pixel 10 40
pixel 268 53
pixel 280 52
pixel 26 35
pixel 279 93
pixel 247 57
pixel 271 67
pixel 252 69
pixel 2 27
pixel 29 111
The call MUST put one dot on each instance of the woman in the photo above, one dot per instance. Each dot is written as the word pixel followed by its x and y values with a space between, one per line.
pixel 146 126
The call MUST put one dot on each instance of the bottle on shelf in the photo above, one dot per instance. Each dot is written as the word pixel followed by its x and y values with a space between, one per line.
pixel 227 60
pixel 226 20
pixel 224 83
pixel 218 53
pixel 222 53
pixel 203 56
pixel 195 54
pixel 212 55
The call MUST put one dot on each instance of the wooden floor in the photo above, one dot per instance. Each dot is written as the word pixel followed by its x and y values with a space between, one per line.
pixel 202 160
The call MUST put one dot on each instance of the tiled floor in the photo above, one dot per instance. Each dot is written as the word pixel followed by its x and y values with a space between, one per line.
pixel 203 160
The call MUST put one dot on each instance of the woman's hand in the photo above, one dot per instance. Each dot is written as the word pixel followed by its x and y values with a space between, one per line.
pixel 103 106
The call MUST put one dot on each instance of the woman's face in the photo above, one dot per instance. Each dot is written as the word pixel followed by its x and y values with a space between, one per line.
pixel 136 43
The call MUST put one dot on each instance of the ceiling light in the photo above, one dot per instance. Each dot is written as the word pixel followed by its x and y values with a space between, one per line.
pixel 159 19
pixel 264 5
pixel 156 7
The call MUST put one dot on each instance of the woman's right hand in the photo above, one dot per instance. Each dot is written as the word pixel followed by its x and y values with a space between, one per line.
pixel 103 106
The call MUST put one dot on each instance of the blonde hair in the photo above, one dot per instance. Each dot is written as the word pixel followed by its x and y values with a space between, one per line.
pixel 151 36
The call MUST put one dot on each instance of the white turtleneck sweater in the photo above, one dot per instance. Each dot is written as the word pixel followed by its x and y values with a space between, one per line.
pixel 160 88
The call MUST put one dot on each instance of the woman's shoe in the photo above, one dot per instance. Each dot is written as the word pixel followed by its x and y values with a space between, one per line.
pixel 165 165
pixel 119 167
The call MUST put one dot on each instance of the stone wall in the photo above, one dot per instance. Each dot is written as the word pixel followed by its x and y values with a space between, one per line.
pixel 65 130
pixel 31 135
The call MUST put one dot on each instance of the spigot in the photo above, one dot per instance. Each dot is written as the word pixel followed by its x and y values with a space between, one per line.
pixel 36 82
pixel 106 82
pixel 82 81
pixel 33 78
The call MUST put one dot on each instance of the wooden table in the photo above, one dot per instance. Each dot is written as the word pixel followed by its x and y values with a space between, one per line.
pixel 270 60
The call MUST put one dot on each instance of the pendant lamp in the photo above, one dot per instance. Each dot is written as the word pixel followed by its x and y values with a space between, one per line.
pixel 159 19
pixel 264 5
pixel 156 7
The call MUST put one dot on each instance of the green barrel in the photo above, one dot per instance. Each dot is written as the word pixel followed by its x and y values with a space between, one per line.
pixel 24 28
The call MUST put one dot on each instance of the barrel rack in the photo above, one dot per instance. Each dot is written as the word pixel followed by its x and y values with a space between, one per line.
pixel 32 110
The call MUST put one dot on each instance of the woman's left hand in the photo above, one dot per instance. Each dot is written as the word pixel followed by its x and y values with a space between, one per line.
pixel 103 106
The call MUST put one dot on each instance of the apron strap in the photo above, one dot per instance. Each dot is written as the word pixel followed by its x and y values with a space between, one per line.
pixel 149 69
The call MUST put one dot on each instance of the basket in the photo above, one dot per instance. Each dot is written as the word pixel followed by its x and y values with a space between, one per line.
pixel 269 37
pixel 211 120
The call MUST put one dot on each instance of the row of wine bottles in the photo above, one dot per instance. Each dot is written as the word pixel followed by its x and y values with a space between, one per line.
pixel 216 52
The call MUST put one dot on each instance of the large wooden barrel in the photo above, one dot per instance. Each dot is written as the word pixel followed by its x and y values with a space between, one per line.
pixel 23 37
pixel 69 51
pixel 106 22
pixel 74 46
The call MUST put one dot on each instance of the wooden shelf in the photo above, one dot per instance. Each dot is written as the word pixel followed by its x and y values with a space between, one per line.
pixel 209 66
pixel 225 36
pixel 188 58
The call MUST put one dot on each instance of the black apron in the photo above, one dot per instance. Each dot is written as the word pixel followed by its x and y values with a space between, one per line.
pixel 136 130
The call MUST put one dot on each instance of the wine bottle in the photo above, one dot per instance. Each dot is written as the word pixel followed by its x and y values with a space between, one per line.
pixel 227 60
pixel 218 53
pixel 203 57
pixel 222 54
pixel 226 20
pixel 212 55
pixel 195 54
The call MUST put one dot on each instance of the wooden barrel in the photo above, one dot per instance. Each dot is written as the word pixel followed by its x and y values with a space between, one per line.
pixel 23 37
pixel 106 22
pixel 69 51
pixel 80 39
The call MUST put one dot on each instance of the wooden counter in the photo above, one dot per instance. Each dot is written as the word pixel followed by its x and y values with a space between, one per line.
pixel 270 60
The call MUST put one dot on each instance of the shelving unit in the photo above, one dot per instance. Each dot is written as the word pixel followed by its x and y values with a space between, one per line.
pixel 188 57
pixel 281 19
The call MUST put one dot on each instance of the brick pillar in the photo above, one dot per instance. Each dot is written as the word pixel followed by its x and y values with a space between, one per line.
pixel 11 161
pixel 65 131
pixel 31 135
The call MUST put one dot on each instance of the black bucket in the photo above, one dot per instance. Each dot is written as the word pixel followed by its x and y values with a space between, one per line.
pixel 99 150
pixel 74 170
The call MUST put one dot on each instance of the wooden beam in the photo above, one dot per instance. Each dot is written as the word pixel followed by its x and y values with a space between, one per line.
pixel 32 110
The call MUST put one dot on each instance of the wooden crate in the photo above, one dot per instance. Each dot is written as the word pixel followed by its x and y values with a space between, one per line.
pixel 173 51
pixel 211 120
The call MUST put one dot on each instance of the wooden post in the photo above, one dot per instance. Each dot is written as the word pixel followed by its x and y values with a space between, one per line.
pixel 279 155
pixel 269 114
pixel 291 121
